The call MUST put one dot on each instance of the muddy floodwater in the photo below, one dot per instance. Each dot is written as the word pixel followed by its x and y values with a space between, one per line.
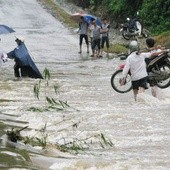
pixel 114 132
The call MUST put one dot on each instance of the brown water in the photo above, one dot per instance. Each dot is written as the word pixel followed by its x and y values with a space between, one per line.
pixel 139 131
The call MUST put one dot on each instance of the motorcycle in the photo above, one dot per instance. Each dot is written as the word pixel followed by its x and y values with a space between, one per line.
pixel 132 28
pixel 158 71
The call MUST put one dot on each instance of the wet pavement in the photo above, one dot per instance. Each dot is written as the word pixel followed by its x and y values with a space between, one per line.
pixel 139 131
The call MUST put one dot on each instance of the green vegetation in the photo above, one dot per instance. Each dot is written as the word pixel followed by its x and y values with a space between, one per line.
pixel 50 103
pixel 72 147
pixel 117 48
pixel 12 158
pixel 163 39
pixel 37 141
pixel 14 136
pixel 104 142
pixel 57 12
pixel 155 15
pixel 79 145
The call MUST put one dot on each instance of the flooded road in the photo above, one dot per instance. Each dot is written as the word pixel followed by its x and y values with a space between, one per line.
pixel 138 132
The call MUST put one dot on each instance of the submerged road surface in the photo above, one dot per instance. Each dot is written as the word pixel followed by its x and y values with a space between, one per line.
pixel 118 133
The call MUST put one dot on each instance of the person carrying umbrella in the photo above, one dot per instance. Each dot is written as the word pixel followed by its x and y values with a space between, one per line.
pixel 83 30
pixel 24 65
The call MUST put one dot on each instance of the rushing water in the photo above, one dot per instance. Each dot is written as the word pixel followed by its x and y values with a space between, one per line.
pixel 139 131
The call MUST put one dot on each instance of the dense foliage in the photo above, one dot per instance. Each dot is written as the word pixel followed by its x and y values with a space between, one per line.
pixel 155 14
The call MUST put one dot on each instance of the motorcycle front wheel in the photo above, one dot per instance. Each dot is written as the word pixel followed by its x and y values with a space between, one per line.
pixel 164 83
pixel 126 36
pixel 146 33
pixel 115 82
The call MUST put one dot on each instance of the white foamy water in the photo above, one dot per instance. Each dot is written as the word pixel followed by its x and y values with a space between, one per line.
pixel 139 130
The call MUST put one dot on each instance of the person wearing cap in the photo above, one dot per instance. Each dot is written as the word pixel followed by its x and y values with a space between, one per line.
pixel 24 65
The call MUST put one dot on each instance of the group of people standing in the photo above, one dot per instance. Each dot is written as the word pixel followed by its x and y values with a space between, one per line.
pixel 99 35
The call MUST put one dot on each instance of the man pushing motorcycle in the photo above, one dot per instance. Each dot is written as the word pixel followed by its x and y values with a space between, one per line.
pixel 136 64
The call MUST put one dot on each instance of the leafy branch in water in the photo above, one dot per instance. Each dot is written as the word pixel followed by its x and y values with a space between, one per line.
pixel 78 145
pixel 71 147
pixel 37 141
pixel 105 141
pixel 37 89
pixel 47 74
pixel 50 103
pixel 14 136
pixel 56 88
pixel 74 146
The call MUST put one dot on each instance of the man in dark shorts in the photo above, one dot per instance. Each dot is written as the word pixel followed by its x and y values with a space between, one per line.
pixel 135 63
pixel 140 83
pixel 105 35
pixel 83 30
pixel 96 39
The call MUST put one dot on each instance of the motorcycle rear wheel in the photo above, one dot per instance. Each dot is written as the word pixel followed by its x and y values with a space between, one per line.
pixel 164 83
pixel 115 82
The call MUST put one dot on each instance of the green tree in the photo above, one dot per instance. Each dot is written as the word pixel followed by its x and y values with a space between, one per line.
pixel 156 14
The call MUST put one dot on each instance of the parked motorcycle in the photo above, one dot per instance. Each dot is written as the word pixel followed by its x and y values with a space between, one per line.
pixel 158 71
pixel 132 28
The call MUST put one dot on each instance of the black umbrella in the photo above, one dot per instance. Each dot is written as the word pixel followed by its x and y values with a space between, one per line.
pixel 5 29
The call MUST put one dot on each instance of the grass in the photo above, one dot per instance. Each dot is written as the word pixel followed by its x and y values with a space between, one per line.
pixel 163 39
pixel 58 13
pixel 117 48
